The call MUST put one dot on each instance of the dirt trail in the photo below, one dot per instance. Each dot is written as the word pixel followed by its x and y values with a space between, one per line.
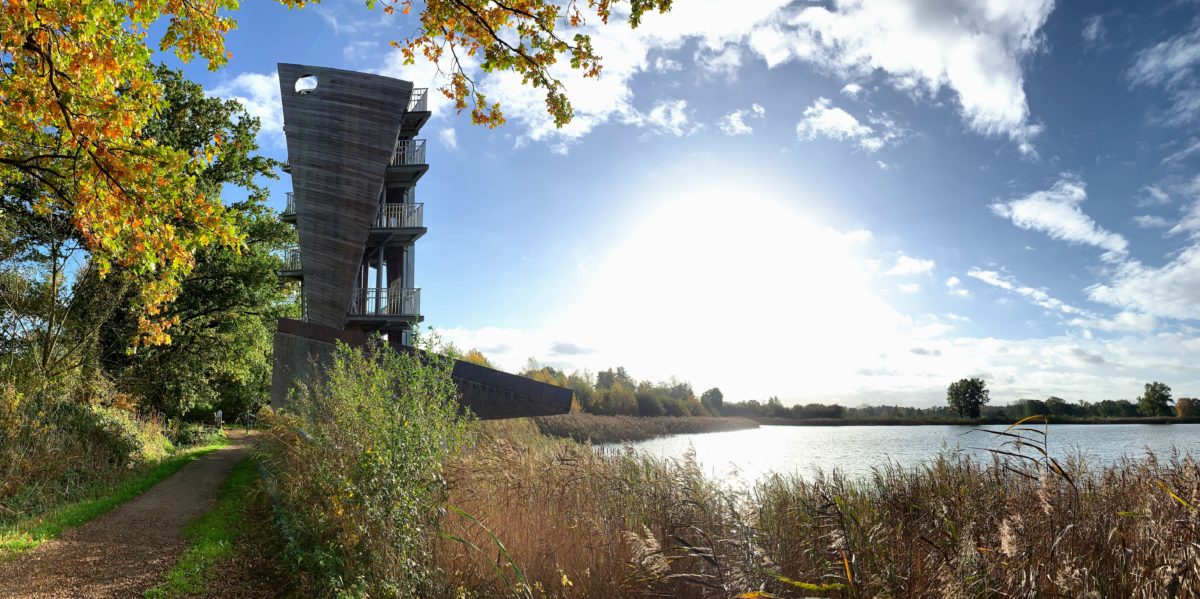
pixel 127 550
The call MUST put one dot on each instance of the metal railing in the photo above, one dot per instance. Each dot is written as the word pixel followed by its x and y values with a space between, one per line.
pixel 399 216
pixel 419 100
pixel 291 259
pixel 409 151
pixel 289 208
pixel 374 301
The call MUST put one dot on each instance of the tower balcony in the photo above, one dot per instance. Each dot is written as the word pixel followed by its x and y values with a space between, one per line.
pixel 385 308
pixel 291 264
pixel 417 113
pixel 408 162
pixel 398 223
pixel 289 209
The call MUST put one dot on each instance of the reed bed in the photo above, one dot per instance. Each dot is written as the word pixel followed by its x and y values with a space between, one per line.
pixel 536 517
pixel 619 429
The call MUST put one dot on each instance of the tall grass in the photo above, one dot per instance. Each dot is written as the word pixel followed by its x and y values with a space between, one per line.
pixel 560 520
pixel 55 450
pixel 357 467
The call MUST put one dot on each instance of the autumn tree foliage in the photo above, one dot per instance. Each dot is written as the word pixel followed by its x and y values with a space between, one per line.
pixel 525 37
pixel 78 89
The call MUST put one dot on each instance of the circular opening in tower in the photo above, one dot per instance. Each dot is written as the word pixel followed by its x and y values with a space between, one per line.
pixel 306 84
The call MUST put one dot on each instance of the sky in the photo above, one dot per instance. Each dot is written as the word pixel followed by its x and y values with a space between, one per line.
pixel 857 201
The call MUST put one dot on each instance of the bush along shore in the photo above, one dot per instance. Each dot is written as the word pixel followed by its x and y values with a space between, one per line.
pixel 586 428
pixel 386 492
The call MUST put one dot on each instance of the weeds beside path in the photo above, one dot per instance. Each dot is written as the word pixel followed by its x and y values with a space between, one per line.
pixel 129 549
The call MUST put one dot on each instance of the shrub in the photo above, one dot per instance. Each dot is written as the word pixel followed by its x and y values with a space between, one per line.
pixel 51 450
pixel 357 463
pixel 185 434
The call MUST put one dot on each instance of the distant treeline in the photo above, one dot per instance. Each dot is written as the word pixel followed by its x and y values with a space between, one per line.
pixel 1056 407
pixel 615 393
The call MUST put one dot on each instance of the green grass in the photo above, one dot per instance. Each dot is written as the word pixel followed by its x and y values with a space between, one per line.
pixel 28 533
pixel 212 536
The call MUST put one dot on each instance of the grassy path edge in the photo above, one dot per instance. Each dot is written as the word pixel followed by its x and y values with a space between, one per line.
pixel 27 534
pixel 210 536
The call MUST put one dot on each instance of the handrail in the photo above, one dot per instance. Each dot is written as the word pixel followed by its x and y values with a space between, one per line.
pixel 291 259
pixel 419 100
pixel 409 151
pixel 290 206
pixel 375 301
pixel 399 216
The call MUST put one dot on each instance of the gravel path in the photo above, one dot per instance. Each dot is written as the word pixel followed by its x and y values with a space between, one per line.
pixel 129 549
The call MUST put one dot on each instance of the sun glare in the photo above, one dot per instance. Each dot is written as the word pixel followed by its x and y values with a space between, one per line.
pixel 734 284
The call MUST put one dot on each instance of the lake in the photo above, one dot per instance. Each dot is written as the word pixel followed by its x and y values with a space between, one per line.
pixel 746 455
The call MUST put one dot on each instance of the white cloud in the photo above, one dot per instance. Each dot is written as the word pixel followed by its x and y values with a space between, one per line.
pixel 1153 195
pixel 1179 155
pixel 907 265
pixel 973 48
pixel 1094 32
pixel 1190 222
pixel 626 53
pixel 719 64
pixel 449 137
pixel 908 287
pixel 669 117
pixel 1035 296
pixel 666 65
pixel 954 285
pixel 259 94
pixel 734 123
pixel 1169 291
pixel 1171 65
pixel 1149 221
pixel 852 90
pixel 1056 212
pixel 823 119
pixel 883 165
pixel 1122 321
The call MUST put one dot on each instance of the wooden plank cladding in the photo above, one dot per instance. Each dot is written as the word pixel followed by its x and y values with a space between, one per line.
pixel 341 136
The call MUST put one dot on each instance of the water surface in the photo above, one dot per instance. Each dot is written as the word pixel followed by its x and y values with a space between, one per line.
pixel 747 455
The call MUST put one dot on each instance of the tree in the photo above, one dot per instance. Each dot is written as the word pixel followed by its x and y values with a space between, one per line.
pixel 713 400
pixel 1118 408
pixel 476 357
pixel 967 396
pixel 1155 400
pixel 1187 407
pixel 585 392
pixel 223 319
pixel 519 37
pixel 1058 406
pixel 78 91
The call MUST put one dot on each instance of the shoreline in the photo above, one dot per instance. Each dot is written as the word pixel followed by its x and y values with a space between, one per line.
pixel 601 430
pixel 976 422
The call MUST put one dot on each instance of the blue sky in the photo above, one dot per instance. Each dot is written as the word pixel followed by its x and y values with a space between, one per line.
pixel 856 201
